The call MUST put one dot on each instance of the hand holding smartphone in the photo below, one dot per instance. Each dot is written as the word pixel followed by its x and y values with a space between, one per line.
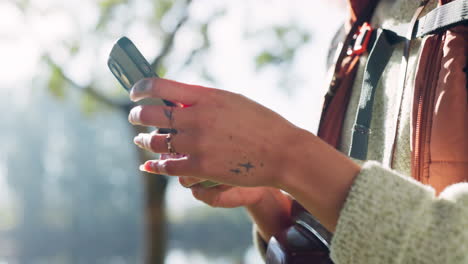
pixel 129 66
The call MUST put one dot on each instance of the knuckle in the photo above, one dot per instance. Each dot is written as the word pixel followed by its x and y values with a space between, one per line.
pixel 220 104
pixel 195 118
pixel 196 143
pixel 212 120
pixel 202 143
pixel 215 97
pixel 207 120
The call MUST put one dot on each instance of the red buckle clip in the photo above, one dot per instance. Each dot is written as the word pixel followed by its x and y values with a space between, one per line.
pixel 360 40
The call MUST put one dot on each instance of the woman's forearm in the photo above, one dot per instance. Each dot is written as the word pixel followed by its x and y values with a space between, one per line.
pixel 322 177
pixel 272 214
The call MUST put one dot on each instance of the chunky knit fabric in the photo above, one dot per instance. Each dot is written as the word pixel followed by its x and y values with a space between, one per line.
pixel 390 218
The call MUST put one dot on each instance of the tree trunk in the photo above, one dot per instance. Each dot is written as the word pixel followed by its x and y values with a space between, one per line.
pixel 155 217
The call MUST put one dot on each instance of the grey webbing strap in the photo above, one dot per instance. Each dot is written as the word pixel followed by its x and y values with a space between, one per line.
pixel 444 16
pixel 376 62
pixel 441 18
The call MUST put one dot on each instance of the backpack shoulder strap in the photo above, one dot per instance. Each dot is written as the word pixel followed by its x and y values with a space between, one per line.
pixel 443 17
pixel 439 19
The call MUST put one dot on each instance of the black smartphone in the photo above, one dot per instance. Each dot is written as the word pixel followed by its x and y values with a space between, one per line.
pixel 129 66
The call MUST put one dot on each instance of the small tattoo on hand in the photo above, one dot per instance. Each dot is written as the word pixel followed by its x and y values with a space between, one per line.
pixel 247 165
pixel 236 171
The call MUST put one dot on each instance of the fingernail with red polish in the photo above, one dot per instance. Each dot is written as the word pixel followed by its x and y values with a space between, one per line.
pixel 156 166
pixel 149 166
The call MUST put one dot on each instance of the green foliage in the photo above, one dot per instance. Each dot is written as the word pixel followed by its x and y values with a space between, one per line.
pixel 204 33
pixel 22 5
pixel 161 70
pixel 161 7
pixel 57 82
pixel 74 48
pixel 287 39
pixel 265 58
pixel 109 4
pixel 107 7
pixel 281 31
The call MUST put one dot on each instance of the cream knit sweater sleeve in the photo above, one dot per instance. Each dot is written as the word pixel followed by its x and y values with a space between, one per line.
pixel 390 218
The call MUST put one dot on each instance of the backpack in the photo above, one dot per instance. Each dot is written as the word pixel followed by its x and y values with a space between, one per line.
pixel 439 136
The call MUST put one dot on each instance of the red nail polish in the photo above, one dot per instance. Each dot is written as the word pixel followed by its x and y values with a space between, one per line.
pixel 149 166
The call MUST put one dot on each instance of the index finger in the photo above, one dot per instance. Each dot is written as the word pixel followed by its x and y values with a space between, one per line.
pixel 169 90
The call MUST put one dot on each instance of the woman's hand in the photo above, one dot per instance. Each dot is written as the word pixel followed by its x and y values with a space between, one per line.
pixel 225 137
pixel 230 139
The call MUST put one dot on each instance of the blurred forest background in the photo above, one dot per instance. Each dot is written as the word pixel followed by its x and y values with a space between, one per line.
pixel 70 191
